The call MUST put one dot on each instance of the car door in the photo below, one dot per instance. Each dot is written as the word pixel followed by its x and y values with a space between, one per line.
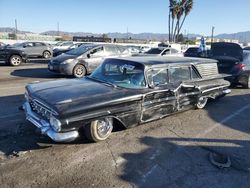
pixel 184 78
pixel 95 57
pixel 28 48
pixel 38 48
pixel 160 100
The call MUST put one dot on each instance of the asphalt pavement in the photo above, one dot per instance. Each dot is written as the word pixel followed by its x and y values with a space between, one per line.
pixel 172 152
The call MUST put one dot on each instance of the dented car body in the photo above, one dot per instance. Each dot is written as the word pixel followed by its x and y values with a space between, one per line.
pixel 129 91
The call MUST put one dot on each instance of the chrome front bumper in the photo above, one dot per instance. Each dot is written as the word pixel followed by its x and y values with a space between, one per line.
pixel 45 127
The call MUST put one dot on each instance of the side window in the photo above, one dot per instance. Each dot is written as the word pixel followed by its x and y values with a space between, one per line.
pixel 179 74
pixel 158 76
pixel 37 44
pixel 167 51
pixel 194 74
pixel 28 44
pixel 112 50
pixel 173 51
pixel 98 52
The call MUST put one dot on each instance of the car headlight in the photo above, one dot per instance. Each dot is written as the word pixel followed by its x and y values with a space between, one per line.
pixel 68 61
pixel 26 95
pixel 55 124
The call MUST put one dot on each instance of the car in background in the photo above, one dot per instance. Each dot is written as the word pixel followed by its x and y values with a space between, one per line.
pixel 122 91
pixel 13 57
pixel 232 60
pixel 162 51
pixel 2 45
pixel 59 51
pixel 247 48
pixel 192 52
pixel 134 49
pixel 63 45
pixel 84 59
pixel 196 52
pixel 34 49
pixel 144 49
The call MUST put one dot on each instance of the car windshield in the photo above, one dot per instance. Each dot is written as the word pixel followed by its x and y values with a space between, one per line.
pixel 80 50
pixel 120 73
pixel 154 51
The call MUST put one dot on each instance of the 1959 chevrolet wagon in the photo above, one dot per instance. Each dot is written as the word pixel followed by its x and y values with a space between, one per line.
pixel 129 91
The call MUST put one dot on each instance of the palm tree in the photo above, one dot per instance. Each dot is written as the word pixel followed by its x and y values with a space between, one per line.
pixel 173 9
pixel 179 9
pixel 188 6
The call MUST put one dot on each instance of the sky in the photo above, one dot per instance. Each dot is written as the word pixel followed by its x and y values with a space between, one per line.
pixel 99 16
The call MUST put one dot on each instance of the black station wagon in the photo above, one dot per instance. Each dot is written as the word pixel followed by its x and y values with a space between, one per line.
pixel 129 91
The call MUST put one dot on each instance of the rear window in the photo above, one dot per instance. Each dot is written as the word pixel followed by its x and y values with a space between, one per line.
pixel 207 69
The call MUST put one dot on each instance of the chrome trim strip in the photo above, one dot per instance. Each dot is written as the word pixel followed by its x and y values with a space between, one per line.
pixel 45 127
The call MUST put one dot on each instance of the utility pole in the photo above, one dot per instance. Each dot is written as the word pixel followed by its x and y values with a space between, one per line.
pixel 212 36
pixel 127 33
pixel 58 32
pixel 15 29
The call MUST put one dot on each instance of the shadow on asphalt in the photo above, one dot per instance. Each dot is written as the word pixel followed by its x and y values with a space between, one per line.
pixel 184 162
pixel 34 73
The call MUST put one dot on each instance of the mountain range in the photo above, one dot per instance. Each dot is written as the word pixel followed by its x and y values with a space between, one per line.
pixel 241 36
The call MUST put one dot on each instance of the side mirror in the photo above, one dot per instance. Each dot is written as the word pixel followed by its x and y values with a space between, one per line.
pixel 88 55
pixel 24 46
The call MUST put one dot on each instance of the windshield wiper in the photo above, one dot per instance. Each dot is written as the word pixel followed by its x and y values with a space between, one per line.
pixel 102 81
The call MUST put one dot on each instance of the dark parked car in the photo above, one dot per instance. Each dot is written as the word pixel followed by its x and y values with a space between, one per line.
pixel 192 52
pixel 34 49
pixel 127 91
pixel 196 52
pixel 84 59
pixel 12 57
pixel 247 48
pixel 231 60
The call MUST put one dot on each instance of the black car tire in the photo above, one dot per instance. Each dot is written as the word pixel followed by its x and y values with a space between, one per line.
pixel 46 54
pixel 79 71
pixel 99 130
pixel 202 101
pixel 15 60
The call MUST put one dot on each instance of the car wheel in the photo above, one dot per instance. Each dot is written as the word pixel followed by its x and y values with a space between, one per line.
pixel 202 101
pixel 46 54
pixel 15 60
pixel 99 130
pixel 79 71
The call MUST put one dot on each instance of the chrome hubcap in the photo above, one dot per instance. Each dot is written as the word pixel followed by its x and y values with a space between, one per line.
pixel 79 71
pixel 46 54
pixel 15 60
pixel 202 102
pixel 104 127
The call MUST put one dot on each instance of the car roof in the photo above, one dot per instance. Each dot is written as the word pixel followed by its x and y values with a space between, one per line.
pixel 156 61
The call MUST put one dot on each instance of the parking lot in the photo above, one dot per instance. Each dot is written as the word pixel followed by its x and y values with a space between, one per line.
pixel 172 152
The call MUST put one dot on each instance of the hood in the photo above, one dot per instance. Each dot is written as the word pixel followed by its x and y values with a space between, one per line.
pixel 76 93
